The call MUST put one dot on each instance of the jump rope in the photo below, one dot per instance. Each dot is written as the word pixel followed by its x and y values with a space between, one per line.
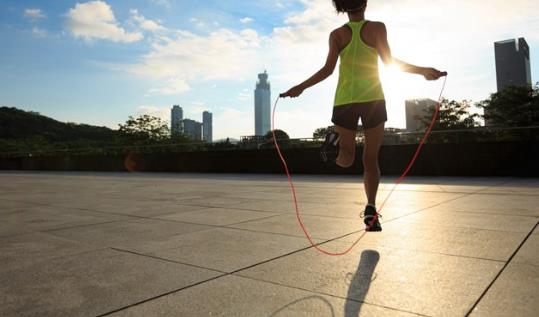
pixel 397 182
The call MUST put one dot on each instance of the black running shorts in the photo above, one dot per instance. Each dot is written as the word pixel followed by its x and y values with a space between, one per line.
pixel 372 113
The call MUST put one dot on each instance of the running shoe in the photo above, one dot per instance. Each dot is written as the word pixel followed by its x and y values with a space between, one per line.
pixel 330 148
pixel 371 219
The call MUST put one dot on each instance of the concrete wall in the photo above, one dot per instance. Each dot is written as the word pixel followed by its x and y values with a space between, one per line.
pixel 473 159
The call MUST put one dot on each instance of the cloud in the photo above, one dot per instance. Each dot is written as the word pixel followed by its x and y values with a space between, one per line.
pixel 39 32
pixel 154 111
pixel 231 122
pixel 245 94
pixel 222 54
pixel 246 20
pixel 165 3
pixel 34 14
pixel 173 86
pixel 95 20
pixel 145 24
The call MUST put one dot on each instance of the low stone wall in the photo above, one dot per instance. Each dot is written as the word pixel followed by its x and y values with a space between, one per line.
pixel 466 159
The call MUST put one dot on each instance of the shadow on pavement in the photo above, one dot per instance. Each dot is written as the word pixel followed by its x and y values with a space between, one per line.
pixel 360 283
pixel 285 311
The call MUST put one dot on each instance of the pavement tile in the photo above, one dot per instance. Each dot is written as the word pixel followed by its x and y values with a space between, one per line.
pixel 8 206
pixel 91 284
pixel 523 205
pixel 44 217
pixel 28 249
pixel 514 293
pixel 217 216
pixel 470 242
pixel 8 229
pixel 424 283
pixel 318 227
pixel 140 208
pixel 224 249
pixel 529 252
pixel 267 205
pixel 237 296
pixel 134 233
pixel 210 201
pixel 444 216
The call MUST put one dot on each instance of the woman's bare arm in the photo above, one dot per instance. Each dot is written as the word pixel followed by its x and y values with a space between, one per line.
pixel 323 73
pixel 382 46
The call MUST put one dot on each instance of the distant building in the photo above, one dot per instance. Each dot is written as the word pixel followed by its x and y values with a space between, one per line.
pixel 191 129
pixel 176 117
pixel 512 63
pixel 416 109
pixel 262 105
pixel 207 126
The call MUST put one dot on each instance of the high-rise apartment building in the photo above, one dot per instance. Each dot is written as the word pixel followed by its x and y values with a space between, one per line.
pixel 191 129
pixel 416 109
pixel 512 63
pixel 176 116
pixel 207 126
pixel 262 105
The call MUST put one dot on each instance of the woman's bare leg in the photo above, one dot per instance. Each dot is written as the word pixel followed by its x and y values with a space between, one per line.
pixel 371 174
pixel 347 146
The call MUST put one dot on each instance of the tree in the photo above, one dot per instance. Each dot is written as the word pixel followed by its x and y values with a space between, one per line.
pixel 279 134
pixel 453 115
pixel 515 106
pixel 146 126
pixel 282 139
pixel 321 133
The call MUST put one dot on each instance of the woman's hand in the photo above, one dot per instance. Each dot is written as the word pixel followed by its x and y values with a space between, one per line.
pixel 432 73
pixel 292 92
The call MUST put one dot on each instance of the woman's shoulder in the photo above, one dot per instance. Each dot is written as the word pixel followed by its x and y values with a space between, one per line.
pixel 376 24
pixel 375 29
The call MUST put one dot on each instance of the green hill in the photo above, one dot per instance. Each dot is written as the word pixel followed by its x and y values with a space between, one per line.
pixel 19 124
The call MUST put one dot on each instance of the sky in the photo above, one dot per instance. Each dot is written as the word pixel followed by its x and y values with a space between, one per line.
pixel 99 62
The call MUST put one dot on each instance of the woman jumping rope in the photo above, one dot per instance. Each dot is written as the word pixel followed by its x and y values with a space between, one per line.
pixel 359 94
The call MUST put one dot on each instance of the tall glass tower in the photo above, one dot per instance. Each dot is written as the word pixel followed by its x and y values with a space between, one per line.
pixel 262 105
pixel 207 126
pixel 176 116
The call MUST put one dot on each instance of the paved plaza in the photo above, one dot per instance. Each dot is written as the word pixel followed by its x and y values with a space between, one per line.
pixel 119 244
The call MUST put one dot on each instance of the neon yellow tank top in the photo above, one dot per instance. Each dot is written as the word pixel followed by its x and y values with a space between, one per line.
pixel 358 71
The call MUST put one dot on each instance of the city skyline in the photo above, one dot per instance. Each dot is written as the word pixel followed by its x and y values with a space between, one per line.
pixel 197 131
pixel 98 62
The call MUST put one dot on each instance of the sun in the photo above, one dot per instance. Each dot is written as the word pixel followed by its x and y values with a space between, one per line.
pixel 398 87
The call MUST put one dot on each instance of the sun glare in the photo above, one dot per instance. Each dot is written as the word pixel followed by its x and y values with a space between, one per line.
pixel 396 90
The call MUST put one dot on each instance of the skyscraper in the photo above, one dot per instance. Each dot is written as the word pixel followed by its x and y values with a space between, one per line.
pixel 512 63
pixel 416 109
pixel 207 126
pixel 262 105
pixel 176 116
pixel 191 129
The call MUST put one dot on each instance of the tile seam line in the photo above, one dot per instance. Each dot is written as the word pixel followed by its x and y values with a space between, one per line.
pixel 390 220
pixel 159 296
pixel 233 273
pixel 501 271
pixel 165 260
pixel 192 285
pixel 402 216
pixel 326 294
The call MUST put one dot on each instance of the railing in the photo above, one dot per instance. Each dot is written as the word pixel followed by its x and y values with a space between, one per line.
pixel 474 135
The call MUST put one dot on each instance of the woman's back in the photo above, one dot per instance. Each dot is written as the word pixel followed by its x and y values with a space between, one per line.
pixel 359 81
